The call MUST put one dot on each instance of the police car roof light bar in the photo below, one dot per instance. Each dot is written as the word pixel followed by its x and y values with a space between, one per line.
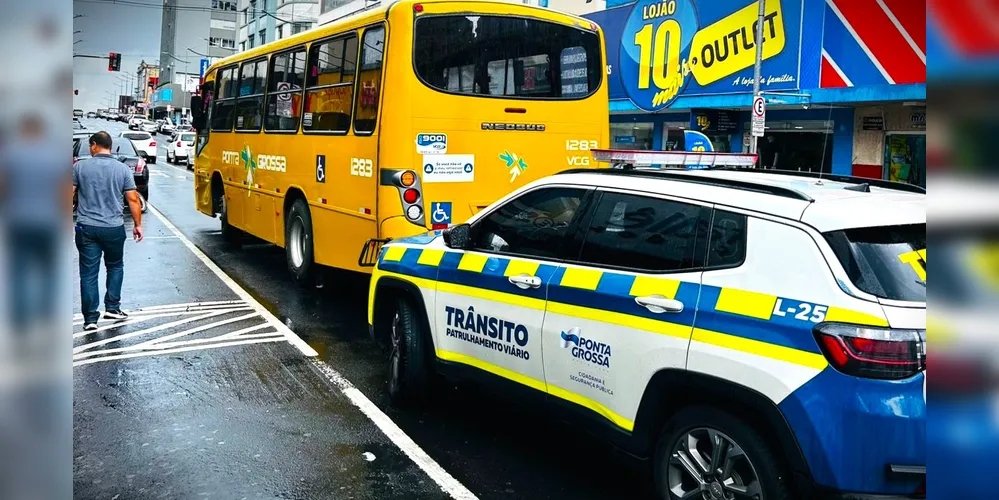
pixel 631 157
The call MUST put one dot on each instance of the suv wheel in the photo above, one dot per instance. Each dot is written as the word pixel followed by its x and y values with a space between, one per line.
pixel 408 370
pixel 704 453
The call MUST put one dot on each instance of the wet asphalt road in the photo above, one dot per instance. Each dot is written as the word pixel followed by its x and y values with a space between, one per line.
pixel 235 410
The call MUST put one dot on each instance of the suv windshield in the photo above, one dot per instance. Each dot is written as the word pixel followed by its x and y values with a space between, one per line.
pixel 506 56
pixel 889 262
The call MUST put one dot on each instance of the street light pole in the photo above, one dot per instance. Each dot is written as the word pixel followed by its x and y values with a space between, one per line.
pixel 757 68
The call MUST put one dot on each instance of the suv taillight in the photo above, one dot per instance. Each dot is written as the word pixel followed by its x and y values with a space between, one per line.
pixel 873 352
pixel 140 165
pixel 152 144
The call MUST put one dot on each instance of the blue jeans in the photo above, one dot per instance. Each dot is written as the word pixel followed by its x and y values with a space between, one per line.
pixel 33 250
pixel 92 241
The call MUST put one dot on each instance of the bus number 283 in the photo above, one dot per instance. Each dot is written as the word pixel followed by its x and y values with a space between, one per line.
pixel 362 167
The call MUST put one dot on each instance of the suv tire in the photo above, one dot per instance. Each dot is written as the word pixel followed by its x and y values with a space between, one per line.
pixel 409 371
pixel 756 457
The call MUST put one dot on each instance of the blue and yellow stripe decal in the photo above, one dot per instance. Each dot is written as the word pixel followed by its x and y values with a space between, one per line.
pixel 746 321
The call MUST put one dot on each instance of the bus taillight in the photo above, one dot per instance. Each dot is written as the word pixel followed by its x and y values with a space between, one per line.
pixel 410 195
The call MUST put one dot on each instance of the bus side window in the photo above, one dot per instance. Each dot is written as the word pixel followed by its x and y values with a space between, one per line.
pixel 223 110
pixel 251 95
pixel 284 97
pixel 369 80
pixel 329 81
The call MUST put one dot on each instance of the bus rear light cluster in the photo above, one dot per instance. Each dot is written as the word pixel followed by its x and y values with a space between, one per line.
pixel 410 195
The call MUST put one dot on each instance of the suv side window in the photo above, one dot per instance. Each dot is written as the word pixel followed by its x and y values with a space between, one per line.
pixel 727 247
pixel 535 224
pixel 644 233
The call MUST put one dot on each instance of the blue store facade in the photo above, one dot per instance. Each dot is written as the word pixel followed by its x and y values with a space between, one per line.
pixel 844 80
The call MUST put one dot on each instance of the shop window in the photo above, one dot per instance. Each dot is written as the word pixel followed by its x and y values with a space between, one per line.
pixel 631 135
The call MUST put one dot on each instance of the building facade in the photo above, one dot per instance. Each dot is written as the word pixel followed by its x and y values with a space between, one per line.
pixel 147 77
pixel 263 21
pixel 844 80
pixel 193 34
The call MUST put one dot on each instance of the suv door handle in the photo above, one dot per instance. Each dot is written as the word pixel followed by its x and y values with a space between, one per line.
pixel 659 304
pixel 525 281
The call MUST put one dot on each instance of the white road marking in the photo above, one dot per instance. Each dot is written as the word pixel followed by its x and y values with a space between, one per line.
pixel 445 480
pixel 137 317
pixel 154 343
pixel 160 352
pixel 293 339
pixel 190 306
pixel 154 329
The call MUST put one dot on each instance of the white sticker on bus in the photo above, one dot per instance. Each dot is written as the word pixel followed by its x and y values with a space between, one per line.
pixel 448 168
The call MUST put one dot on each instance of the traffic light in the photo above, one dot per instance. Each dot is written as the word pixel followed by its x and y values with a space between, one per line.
pixel 114 61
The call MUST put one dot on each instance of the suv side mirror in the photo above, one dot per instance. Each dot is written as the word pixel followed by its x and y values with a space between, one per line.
pixel 458 237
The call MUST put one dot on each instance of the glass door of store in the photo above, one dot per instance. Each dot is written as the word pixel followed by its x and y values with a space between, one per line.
pixel 905 158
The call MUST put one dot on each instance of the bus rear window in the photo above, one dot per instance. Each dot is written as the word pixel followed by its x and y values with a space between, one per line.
pixel 506 56
pixel 888 262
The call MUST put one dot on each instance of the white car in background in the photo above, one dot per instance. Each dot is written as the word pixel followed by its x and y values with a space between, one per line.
pixel 167 128
pixel 148 126
pixel 134 121
pixel 144 144
pixel 179 148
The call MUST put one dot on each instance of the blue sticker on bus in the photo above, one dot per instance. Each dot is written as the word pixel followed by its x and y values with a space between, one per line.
pixel 431 144
pixel 440 214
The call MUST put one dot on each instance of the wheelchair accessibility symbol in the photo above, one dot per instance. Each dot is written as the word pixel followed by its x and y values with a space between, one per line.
pixel 440 214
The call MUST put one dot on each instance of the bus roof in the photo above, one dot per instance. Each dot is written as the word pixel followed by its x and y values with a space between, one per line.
pixel 368 16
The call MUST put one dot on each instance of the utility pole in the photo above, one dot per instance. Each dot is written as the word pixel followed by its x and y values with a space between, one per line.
pixel 757 68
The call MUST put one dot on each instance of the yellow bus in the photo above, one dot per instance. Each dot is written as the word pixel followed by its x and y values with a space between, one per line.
pixel 392 122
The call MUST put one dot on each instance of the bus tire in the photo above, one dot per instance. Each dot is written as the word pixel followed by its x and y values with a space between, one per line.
pixel 409 370
pixel 230 234
pixel 298 241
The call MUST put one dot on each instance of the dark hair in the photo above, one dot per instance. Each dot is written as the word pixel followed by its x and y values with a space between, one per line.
pixel 101 139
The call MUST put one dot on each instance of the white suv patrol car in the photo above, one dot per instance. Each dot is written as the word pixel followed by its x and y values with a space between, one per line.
pixel 754 333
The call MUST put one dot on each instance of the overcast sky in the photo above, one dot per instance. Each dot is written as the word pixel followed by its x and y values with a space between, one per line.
pixel 130 30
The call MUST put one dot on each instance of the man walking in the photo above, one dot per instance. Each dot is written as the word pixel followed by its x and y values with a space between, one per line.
pixel 99 183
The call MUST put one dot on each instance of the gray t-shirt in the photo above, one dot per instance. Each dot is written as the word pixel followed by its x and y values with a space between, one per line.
pixel 101 182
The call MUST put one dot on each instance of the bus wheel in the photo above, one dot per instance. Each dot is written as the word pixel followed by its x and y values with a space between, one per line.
pixel 298 243
pixel 230 234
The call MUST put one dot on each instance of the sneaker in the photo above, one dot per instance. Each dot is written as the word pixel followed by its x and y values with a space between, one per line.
pixel 115 314
pixel 90 326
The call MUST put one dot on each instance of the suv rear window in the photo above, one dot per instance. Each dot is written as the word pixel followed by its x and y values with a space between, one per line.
pixel 137 136
pixel 888 262
pixel 506 56
pixel 187 137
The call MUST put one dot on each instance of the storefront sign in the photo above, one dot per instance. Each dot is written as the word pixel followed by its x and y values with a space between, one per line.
pixel 664 49
pixel 713 120
pixel 918 120
pixel 624 139
pixel 874 123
